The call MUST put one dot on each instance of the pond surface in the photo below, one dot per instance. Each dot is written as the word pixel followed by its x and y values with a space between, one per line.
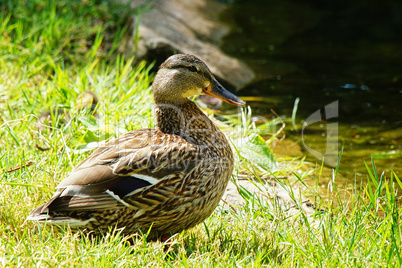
pixel 345 54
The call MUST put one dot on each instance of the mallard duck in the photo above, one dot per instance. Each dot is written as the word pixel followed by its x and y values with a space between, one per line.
pixel 162 180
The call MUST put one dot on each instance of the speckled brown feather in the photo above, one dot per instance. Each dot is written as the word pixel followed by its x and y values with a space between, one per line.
pixel 178 171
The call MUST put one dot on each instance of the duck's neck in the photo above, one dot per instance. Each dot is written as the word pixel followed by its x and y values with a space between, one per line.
pixel 185 119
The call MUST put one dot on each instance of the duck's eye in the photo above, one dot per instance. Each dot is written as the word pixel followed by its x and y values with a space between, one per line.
pixel 192 68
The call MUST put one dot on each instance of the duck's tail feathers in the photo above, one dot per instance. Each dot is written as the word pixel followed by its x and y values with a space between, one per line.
pixel 40 214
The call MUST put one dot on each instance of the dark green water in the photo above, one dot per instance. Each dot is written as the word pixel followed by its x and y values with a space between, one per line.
pixel 344 51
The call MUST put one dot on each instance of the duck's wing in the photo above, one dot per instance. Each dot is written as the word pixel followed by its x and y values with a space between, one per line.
pixel 124 172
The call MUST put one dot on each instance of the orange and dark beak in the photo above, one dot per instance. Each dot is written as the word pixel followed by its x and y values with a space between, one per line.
pixel 215 89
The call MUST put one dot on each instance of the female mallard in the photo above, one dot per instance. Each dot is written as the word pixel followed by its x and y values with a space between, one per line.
pixel 166 179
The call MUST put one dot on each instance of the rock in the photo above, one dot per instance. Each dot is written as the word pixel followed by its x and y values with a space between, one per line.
pixel 186 26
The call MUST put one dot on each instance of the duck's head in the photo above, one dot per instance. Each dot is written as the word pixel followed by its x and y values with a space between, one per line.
pixel 184 75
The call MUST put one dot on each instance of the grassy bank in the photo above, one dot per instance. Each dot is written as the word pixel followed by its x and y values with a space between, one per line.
pixel 52 51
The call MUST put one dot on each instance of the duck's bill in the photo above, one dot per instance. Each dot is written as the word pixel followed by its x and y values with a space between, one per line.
pixel 215 89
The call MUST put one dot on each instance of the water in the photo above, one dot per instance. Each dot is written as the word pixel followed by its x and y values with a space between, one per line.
pixel 343 52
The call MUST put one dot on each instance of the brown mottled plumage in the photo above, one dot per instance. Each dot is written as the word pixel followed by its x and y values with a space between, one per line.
pixel 168 179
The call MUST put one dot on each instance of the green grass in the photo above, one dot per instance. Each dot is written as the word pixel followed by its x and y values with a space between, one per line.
pixel 50 51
